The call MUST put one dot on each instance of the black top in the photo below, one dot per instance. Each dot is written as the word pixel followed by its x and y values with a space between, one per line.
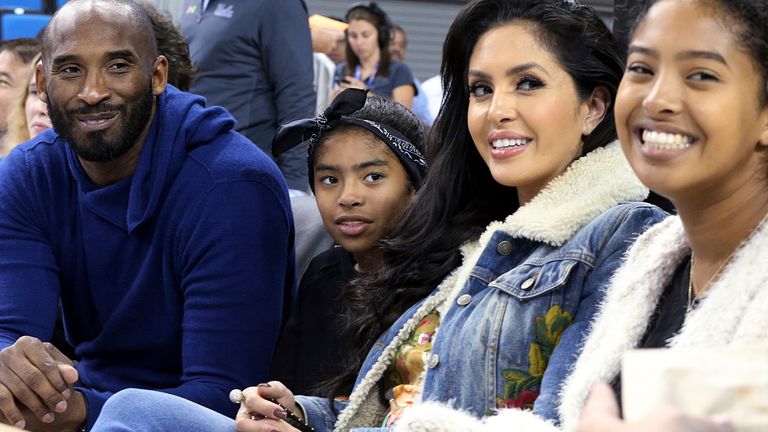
pixel 311 348
pixel 668 318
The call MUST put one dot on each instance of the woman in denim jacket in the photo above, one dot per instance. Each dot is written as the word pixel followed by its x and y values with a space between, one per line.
pixel 504 254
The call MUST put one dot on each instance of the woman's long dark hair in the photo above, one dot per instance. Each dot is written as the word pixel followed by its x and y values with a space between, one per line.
pixel 459 197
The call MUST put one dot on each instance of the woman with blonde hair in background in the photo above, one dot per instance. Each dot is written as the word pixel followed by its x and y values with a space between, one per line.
pixel 28 116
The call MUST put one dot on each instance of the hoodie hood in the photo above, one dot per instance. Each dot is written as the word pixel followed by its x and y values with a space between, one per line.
pixel 181 123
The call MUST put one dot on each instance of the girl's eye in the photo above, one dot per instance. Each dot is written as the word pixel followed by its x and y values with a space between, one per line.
pixel 527 83
pixel 639 69
pixel 329 180
pixel 374 177
pixel 479 89
pixel 32 92
pixel 703 76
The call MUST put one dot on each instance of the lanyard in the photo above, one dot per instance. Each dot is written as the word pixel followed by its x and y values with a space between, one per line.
pixel 368 82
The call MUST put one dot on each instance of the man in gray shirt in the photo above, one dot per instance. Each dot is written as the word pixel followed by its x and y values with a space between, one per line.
pixel 254 58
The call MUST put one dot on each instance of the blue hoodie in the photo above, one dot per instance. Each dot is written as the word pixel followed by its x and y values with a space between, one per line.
pixel 175 278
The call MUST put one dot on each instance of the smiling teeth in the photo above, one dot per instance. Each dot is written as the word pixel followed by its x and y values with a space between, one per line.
pixel 504 143
pixel 666 141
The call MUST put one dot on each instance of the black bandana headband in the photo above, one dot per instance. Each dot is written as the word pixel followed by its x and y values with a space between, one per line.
pixel 347 102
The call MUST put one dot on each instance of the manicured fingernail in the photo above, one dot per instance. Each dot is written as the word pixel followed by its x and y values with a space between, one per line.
pixel 20 424
pixel 60 407
pixel 279 413
pixel 66 394
pixel 48 418
pixel 264 385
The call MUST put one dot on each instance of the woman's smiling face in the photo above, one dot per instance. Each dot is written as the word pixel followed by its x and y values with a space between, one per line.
pixel 688 112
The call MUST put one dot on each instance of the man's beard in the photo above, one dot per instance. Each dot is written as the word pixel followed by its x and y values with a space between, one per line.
pixel 98 146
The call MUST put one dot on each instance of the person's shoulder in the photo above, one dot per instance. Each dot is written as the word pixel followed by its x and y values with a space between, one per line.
pixel 44 151
pixel 231 157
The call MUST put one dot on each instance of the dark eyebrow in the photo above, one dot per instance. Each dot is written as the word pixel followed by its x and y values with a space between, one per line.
pixel 362 165
pixel 371 163
pixel 512 71
pixel 66 58
pixel 126 54
pixel 685 55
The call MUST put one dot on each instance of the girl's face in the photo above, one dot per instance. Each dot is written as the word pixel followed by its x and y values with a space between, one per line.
pixel 360 187
pixel 688 111
pixel 363 38
pixel 524 116
pixel 35 111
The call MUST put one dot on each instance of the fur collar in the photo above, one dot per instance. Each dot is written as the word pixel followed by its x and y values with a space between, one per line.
pixel 734 311
pixel 590 185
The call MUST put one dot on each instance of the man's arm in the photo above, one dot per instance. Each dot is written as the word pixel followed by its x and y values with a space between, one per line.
pixel 286 47
pixel 33 384
pixel 238 276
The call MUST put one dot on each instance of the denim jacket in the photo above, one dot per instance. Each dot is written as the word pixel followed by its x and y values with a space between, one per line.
pixel 515 313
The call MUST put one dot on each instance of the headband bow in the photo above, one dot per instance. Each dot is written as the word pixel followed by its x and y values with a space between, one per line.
pixel 347 102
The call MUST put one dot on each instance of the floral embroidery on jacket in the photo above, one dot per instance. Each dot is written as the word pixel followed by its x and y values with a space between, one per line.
pixel 521 387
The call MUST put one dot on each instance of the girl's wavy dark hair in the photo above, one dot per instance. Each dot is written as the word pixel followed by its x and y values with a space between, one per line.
pixel 748 20
pixel 459 197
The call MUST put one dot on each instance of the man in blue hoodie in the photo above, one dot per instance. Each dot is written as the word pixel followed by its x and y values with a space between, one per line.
pixel 167 236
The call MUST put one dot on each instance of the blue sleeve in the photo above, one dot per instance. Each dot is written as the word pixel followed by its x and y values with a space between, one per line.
pixel 286 47
pixel 29 281
pixel 318 413
pixel 401 75
pixel 627 226
pixel 237 272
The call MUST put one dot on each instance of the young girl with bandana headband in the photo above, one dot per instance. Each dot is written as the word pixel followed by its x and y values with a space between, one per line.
pixel 490 281
pixel 365 163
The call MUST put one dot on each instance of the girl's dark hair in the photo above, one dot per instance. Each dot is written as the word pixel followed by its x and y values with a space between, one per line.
pixel 459 197
pixel 389 113
pixel 379 21
pixel 748 20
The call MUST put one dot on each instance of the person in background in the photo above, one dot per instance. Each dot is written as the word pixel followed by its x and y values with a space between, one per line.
pixel 15 58
pixel 368 64
pixel 398 46
pixel 159 228
pixel 254 58
pixel 28 116
pixel 326 34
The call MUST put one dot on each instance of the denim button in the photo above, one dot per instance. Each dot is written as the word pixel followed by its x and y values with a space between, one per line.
pixel 464 300
pixel 504 248
pixel 528 284
pixel 434 359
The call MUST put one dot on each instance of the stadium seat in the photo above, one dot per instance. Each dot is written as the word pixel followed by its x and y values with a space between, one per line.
pixel 13 26
pixel 27 5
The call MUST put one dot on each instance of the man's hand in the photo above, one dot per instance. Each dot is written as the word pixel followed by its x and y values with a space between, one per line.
pixel 36 386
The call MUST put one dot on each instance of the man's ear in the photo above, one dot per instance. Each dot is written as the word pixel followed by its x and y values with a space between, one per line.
pixel 763 140
pixel 42 93
pixel 598 104
pixel 159 75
